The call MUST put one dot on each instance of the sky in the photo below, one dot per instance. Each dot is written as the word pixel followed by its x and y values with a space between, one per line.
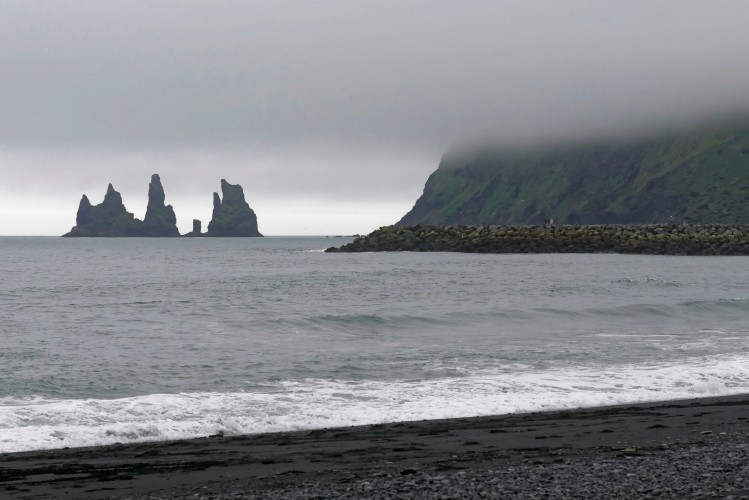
pixel 330 114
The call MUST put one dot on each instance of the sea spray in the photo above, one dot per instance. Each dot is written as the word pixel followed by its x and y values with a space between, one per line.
pixel 314 403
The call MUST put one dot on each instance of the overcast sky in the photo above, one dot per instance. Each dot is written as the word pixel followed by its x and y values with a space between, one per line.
pixel 330 114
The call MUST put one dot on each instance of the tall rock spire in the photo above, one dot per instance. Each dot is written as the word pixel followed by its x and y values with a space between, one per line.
pixel 160 219
pixel 232 216
pixel 83 217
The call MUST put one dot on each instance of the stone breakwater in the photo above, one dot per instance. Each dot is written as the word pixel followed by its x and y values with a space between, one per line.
pixel 652 239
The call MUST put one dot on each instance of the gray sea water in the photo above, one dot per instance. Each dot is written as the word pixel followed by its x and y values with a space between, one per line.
pixel 121 340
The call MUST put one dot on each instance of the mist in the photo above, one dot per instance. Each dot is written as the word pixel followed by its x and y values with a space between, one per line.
pixel 330 114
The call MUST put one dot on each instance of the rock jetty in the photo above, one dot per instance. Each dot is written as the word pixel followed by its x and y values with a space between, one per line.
pixel 653 239
pixel 232 216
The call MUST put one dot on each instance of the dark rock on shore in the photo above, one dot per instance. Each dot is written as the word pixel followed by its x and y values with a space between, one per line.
pixel 232 216
pixel 654 239
pixel 109 218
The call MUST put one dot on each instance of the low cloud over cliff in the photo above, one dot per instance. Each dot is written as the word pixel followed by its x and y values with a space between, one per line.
pixel 341 104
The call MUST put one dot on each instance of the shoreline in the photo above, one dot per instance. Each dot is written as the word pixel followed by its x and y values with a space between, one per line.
pixel 643 239
pixel 503 452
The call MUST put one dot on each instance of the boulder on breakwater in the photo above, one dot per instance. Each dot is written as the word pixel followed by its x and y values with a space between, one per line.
pixel 652 239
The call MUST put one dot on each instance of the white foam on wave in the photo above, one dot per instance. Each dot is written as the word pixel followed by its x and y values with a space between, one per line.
pixel 36 423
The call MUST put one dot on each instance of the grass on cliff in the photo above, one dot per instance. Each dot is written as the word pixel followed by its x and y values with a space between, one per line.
pixel 698 176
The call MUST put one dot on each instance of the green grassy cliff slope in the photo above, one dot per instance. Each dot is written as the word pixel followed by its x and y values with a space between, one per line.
pixel 696 176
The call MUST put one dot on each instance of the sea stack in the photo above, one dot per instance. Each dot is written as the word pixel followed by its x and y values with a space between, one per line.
pixel 196 229
pixel 160 219
pixel 109 218
pixel 232 216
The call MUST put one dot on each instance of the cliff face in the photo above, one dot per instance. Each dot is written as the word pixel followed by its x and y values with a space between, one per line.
pixel 696 176
pixel 232 216
pixel 110 218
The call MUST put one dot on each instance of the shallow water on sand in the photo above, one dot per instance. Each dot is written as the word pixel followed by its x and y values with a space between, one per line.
pixel 116 340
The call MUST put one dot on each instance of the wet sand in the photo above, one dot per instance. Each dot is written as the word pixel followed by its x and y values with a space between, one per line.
pixel 671 449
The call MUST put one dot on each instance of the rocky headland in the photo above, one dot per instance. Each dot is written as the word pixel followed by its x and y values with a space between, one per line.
pixel 697 175
pixel 232 216
pixel 653 239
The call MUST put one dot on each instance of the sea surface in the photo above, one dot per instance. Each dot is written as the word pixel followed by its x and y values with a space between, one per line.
pixel 122 340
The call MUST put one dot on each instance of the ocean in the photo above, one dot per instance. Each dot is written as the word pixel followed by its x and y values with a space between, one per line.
pixel 124 340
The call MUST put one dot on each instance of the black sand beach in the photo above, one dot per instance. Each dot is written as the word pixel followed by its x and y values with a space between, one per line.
pixel 674 449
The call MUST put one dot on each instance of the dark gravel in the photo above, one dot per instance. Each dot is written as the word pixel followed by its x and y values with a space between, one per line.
pixel 718 470
pixel 695 448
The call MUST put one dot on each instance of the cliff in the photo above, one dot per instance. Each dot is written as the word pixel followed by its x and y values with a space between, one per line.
pixel 232 216
pixel 110 218
pixel 695 176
